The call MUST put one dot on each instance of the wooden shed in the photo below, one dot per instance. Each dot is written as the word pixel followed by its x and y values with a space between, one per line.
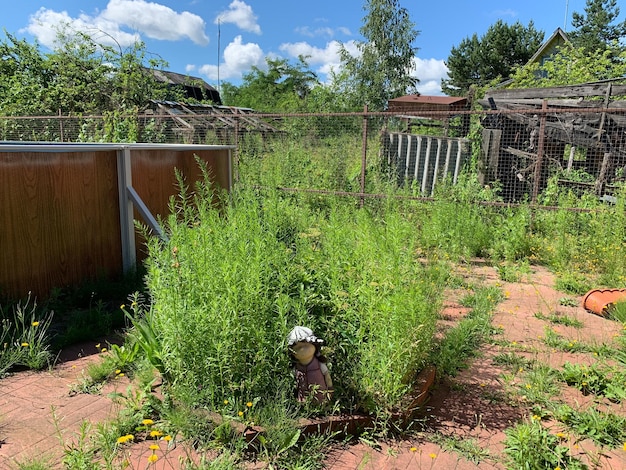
pixel 413 108
pixel 531 133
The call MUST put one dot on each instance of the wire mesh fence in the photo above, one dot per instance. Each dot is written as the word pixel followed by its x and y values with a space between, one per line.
pixel 519 153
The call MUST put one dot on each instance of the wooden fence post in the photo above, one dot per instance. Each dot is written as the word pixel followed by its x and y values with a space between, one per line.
pixel 363 157
pixel 540 150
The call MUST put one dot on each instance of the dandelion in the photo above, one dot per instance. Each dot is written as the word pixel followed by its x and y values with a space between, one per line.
pixel 147 422
pixel 98 346
pixel 153 458
pixel 413 449
pixel 154 447
pixel 226 402
pixel 536 418
pixel 155 433
pixel 25 345
pixel 124 439
pixel 240 414
pixel 249 404
pixel 167 438
pixel 624 445
pixel 433 455
pixel 118 372
pixel 103 350
pixel 35 323
pixel 561 435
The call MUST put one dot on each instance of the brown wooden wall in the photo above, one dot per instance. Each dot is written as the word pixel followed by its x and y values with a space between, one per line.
pixel 59 211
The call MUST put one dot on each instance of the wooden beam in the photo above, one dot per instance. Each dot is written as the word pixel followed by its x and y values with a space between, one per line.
pixel 571 91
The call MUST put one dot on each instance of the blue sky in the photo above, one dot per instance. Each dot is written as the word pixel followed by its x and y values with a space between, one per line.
pixel 185 32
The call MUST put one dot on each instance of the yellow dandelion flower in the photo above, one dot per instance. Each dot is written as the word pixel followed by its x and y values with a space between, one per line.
pixel 25 345
pixel 249 404
pixel 561 435
pixel 121 439
pixel 103 350
pixel 121 374
pixel 226 402
pixel 35 323
pixel 98 346
pixel 624 445
pixel 147 422
pixel 413 449
pixel 117 371
pixel 153 458
pixel 154 447
pixel 167 438
pixel 433 455
pixel 155 433
pixel 240 413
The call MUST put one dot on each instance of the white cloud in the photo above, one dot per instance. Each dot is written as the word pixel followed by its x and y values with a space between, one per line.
pixel 45 24
pixel 157 21
pixel 238 59
pixel 430 72
pixel 507 12
pixel 240 14
pixel 152 19
pixel 317 32
pixel 326 59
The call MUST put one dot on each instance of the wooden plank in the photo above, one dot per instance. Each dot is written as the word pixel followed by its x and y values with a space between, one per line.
pixel 571 91
pixel 522 103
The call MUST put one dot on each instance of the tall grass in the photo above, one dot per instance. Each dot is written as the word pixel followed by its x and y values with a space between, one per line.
pixel 231 282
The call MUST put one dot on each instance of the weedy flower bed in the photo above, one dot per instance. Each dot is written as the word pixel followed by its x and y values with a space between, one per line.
pixel 232 281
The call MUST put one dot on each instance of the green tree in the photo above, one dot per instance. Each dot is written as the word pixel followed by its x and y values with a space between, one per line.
pixel 78 76
pixel 283 87
pixel 595 29
pixel 23 76
pixel 384 68
pixel 478 61
pixel 571 65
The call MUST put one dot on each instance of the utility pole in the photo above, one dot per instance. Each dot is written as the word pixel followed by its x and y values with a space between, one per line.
pixel 218 53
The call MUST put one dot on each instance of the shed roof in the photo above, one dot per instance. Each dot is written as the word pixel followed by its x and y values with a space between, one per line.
pixel 195 86
pixel 548 48
pixel 427 103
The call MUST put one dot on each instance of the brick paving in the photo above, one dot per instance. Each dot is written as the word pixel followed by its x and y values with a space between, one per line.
pixel 38 412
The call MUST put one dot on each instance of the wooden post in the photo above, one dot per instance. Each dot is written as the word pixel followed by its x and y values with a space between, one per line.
pixel 540 146
pixel 608 156
pixel 363 157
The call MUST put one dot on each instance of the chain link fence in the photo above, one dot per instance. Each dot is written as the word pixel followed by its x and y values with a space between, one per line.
pixel 519 154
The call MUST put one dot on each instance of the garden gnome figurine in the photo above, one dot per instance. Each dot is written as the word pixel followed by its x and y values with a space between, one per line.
pixel 312 375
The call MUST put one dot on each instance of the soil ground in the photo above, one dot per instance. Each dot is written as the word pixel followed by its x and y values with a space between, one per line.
pixel 39 412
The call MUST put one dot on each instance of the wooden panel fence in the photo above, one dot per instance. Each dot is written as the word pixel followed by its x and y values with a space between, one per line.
pixel 67 210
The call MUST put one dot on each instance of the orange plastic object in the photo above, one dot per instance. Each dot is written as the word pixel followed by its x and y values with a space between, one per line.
pixel 598 300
